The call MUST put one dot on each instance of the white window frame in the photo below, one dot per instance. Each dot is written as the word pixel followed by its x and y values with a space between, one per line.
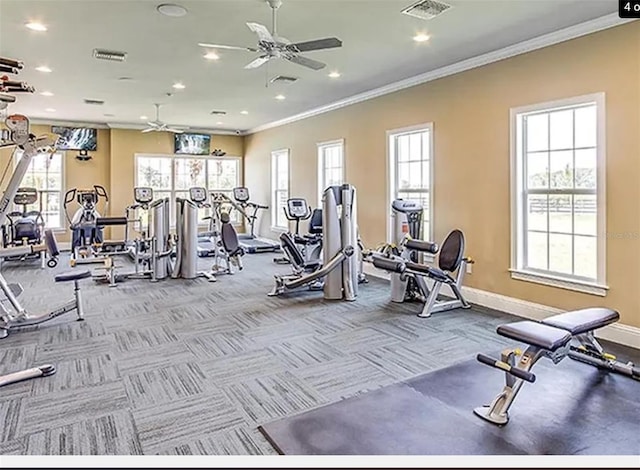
pixel 62 226
pixel 274 192
pixel 393 177
pixel 518 272
pixel 322 176
pixel 174 158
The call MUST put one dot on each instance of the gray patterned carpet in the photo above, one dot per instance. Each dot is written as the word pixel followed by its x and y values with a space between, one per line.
pixel 192 367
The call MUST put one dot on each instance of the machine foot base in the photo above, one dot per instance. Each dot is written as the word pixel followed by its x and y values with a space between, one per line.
pixel 483 412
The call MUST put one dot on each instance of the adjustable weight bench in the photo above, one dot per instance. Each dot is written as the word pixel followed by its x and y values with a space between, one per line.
pixel 567 334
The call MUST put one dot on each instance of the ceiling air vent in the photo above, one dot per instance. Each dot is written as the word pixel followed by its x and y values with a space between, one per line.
pixel 284 79
pixel 94 102
pixel 218 113
pixel 103 54
pixel 426 9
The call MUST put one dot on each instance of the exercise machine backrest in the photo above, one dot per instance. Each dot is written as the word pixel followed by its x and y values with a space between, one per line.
pixel 451 252
pixel 315 224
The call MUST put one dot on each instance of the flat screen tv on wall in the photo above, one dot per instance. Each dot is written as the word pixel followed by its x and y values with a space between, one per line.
pixel 76 138
pixel 192 144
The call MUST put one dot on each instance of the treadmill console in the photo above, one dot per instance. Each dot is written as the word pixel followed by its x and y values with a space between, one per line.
pixel 198 195
pixel 241 194
pixel 143 195
pixel 298 208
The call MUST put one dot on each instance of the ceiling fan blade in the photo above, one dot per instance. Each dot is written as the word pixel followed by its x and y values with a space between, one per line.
pixel 175 131
pixel 148 130
pixel 263 33
pixel 221 46
pixel 306 62
pixel 315 45
pixel 257 62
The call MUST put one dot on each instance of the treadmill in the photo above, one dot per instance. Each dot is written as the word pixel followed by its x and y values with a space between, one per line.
pixel 248 241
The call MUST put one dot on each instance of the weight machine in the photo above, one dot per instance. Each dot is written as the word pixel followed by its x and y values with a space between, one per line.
pixel 17 135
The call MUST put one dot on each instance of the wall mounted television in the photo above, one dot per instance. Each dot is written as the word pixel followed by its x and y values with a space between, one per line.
pixel 76 138
pixel 192 144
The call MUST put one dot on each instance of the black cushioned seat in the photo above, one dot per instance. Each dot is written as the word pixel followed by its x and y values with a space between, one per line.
pixel 393 265
pixel 536 334
pixel 72 276
pixel 433 273
pixel 581 321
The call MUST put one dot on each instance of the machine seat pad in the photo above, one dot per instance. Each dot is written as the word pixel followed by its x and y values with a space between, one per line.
pixel 421 245
pixel 108 221
pixel 578 322
pixel 388 264
pixel 72 276
pixel 535 334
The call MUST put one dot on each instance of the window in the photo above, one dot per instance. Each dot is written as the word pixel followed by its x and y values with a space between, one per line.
pixel 279 188
pixel 410 171
pixel 172 176
pixel 330 166
pixel 45 174
pixel 558 193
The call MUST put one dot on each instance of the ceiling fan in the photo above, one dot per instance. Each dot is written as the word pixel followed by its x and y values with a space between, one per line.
pixel 271 46
pixel 159 126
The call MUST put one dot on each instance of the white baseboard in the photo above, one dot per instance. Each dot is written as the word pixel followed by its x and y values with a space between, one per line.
pixel 616 333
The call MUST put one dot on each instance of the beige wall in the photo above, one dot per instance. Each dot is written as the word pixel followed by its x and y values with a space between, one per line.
pixel 112 165
pixel 470 112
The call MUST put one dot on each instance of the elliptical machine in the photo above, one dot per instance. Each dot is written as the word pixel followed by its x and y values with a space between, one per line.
pixel 85 231
pixel 25 227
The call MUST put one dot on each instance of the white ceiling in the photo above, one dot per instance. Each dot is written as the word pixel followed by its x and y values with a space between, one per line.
pixel 377 50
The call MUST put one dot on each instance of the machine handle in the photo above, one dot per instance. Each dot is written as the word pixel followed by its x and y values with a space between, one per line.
pixel 11 63
pixel 521 374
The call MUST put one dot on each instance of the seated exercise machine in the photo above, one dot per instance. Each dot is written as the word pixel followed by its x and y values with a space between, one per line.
pixel 220 241
pixel 25 227
pixel 409 275
pixel 567 334
pixel 338 275
pixel 18 135
pixel 249 210
pixel 310 244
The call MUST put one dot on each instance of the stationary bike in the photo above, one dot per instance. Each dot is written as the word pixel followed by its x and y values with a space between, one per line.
pixel 309 244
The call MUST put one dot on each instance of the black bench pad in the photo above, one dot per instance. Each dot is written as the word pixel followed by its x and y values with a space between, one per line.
pixel 536 334
pixel 72 276
pixel 581 321
pixel 388 264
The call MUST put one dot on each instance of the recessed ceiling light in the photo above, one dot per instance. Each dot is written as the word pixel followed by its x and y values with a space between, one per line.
pixel 334 75
pixel 421 37
pixel 219 123
pixel 46 93
pixel 211 56
pixel 244 112
pixel 170 9
pixel 50 110
pixel 44 69
pixel 144 118
pixel 179 86
pixel 281 97
pixel 36 26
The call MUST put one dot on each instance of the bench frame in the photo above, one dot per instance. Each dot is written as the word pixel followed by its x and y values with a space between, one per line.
pixel 517 366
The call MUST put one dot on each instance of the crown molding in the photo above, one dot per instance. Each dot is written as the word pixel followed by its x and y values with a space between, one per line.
pixel 54 122
pixel 546 40
pixel 124 125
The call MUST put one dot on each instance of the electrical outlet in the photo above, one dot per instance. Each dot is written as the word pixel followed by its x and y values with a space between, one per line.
pixel 469 268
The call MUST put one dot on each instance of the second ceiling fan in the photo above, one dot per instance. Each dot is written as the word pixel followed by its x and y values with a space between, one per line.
pixel 271 46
